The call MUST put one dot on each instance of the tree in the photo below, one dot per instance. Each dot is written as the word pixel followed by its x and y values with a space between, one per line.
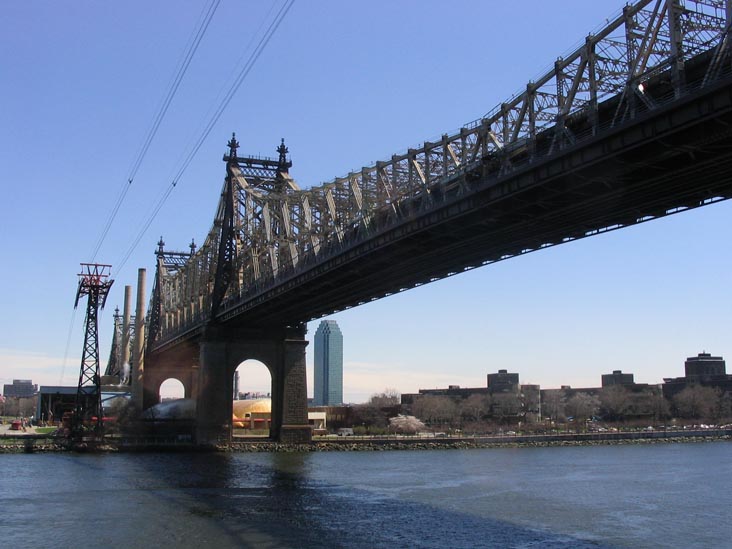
pixel 553 404
pixel 475 407
pixel 406 424
pixel 507 405
pixel 369 416
pixel 697 402
pixel 582 406
pixel 389 397
pixel 374 413
pixel 435 410
pixel 659 407
pixel 615 402
pixel 725 406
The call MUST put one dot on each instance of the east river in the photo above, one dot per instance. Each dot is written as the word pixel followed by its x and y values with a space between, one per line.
pixel 654 495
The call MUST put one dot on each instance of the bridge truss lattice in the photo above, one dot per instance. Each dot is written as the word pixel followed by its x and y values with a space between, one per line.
pixel 267 229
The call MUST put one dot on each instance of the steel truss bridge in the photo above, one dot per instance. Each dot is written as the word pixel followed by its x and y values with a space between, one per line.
pixel 633 125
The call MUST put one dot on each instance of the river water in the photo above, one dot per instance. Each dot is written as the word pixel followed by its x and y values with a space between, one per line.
pixel 661 495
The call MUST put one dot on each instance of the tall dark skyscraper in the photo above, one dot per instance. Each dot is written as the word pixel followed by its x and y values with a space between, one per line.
pixel 328 364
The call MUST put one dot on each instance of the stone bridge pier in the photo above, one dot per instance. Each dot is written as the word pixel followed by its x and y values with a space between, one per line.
pixel 206 369
pixel 282 350
pixel 180 363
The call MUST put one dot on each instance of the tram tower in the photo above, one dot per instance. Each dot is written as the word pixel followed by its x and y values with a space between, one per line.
pixel 94 282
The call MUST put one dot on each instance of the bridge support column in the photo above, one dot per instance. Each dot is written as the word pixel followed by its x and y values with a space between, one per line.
pixel 215 391
pixel 289 385
pixel 283 351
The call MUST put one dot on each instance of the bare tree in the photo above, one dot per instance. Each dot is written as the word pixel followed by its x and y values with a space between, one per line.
pixel 659 407
pixel 553 404
pixel 475 407
pixel 725 406
pixel 507 405
pixel 368 416
pixel 615 402
pixel 435 410
pixel 582 406
pixel 389 397
pixel 374 413
pixel 697 402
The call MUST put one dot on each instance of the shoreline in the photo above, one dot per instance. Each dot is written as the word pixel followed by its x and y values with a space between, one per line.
pixel 31 444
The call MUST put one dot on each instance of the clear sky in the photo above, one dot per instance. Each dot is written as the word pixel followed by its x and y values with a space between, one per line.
pixel 346 84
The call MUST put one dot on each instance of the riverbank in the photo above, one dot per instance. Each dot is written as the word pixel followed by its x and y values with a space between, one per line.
pixel 41 443
pixel 349 444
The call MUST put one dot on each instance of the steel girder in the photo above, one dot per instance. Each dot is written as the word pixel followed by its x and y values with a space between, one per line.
pixel 267 229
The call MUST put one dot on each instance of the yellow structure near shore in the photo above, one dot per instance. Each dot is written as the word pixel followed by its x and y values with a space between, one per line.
pixel 252 414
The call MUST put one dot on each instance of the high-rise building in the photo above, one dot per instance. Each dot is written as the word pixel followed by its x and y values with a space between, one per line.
pixel 328 364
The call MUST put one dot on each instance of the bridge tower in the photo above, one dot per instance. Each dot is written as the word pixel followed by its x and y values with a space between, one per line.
pixel 94 283
pixel 193 338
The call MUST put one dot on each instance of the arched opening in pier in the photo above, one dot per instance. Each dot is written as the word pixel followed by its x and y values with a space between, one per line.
pixel 252 406
pixel 171 389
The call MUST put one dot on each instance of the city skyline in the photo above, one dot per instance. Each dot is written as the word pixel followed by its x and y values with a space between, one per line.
pixel 83 86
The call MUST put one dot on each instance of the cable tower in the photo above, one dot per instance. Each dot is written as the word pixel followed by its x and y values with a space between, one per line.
pixel 94 283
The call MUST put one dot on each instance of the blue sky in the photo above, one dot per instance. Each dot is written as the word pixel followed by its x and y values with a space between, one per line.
pixel 345 84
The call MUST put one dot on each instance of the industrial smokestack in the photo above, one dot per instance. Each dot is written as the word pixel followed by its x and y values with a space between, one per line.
pixel 138 358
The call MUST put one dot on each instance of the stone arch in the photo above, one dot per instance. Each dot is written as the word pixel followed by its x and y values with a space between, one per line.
pixel 172 387
pixel 180 363
pixel 252 412
pixel 282 351
pixel 255 376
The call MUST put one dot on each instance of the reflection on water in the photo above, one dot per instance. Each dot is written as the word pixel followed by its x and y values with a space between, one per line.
pixel 614 496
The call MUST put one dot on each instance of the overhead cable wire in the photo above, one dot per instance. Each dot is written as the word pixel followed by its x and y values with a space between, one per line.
pixel 176 83
pixel 195 40
pixel 225 87
pixel 146 225
pixel 193 149
pixel 245 70
pixel 68 344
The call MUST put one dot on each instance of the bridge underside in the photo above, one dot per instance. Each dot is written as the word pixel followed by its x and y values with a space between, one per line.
pixel 663 161
pixel 206 365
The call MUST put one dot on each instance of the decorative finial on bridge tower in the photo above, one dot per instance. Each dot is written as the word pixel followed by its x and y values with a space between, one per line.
pixel 192 246
pixel 161 246
pixel 283 150
pixel 233 144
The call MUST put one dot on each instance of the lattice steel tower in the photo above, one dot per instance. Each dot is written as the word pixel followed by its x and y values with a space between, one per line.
pixel 94 282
